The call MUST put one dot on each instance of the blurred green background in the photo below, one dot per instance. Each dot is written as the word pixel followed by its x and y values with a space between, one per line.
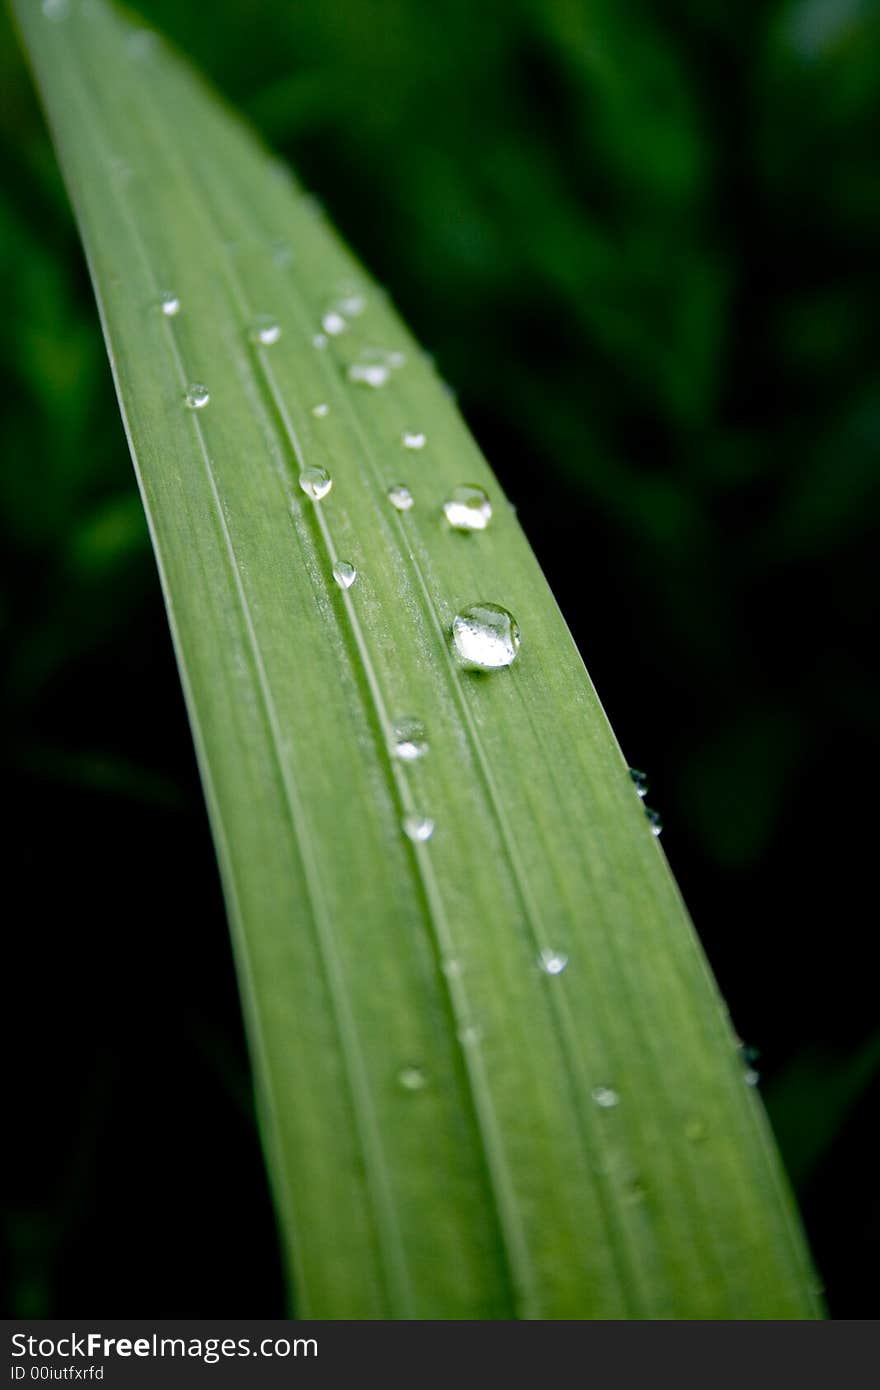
pixel 642 242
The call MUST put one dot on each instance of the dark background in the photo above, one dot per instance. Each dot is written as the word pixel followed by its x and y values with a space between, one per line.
pixel 641 241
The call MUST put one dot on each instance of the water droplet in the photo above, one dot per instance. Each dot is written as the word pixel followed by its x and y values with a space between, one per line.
pixel 751 1077
pixel 469 1036
pixel 485 637
pixel 353 305
pixel 344 573
pixel 413 441
pixel 418 828
pixel 654 821
pixel 321 410
pixel 282 253
pixel 605 1097
pixel 694 1130
pixel 333 323
pixel 373 374
pixel 315 483
pixel 552 962
pixel 197 396
pixel 320 340
pixel 265 330
pixel 400 497
pixel 409 740
pixel 640 781
pixel 468 508
pixel 412 1079
pixel 374 367
pixel 169 304
pixel 451 968
pixel 56 9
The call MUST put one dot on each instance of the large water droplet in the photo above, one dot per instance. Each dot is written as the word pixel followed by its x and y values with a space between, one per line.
pixel 333 323
pixel 197 396
pixel 319 411
pixel 344 573
pixel 654 821
pixel 410 440
pixel 468 508
pixel 400 497
pixel 315 483
pixel 265 330
pixel 418 828
pixel 409 740
pixel 169 304
pixel 605 1097
pixel 552 962
pixel 640 781
pixel 485 637
pixel 412 1079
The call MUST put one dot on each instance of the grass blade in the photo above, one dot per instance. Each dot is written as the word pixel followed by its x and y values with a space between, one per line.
pixel 496 1078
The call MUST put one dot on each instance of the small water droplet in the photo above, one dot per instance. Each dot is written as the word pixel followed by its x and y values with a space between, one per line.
pixel 374 367
pixel 413 441
pixel 169 304
pixel 469 1036
pixel 197 396
pixel 353 305
pixel 320 340
pixel 321 410
pixel 605 1097
pixel 400 497
pixel 282 253
pixel 654 820
pixel 694 1130
pixel 418 828
pixel 265 330
pixel 333 323
pixel 56 9
pixel 344 573
pixel 640 781
pixel 451 968
pixel 468 508
pixel 315 483
pixel 412 1079
pixel 485 637
pixel 751 1077
pixel 409 740
pixel 552 962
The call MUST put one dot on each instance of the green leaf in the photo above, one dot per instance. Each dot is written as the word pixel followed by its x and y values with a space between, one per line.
pixel 452 1130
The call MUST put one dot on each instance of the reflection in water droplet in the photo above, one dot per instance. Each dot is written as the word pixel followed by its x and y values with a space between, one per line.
pixel 197 396
pixel 344 573
pixel 605 1097
pixel 409 740
pixel 321 410
pixel 468 508
pixel 418 828
pixel 413 441
pixel 654 821
pixel 400 497
pixel 640 781
pixel 412 1079
pixel 169 304
pixel 265 330
pixel 315 483
pixel 552 962
pixel 333 323
pixel 485 637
